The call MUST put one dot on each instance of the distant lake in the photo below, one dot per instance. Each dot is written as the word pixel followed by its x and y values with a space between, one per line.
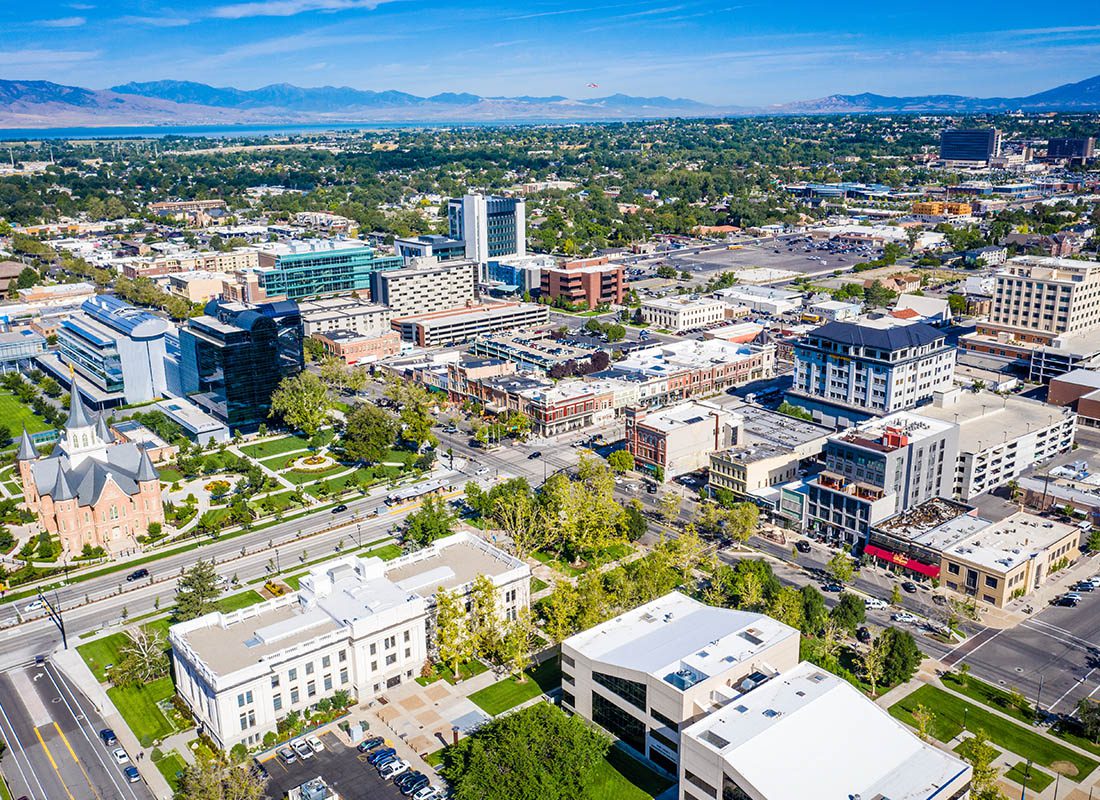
pixel 226 131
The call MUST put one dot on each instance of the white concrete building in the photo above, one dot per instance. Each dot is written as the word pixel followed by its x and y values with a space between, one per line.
pixel 792 739
pixel 647 674
pixel 425 287
pixel 681 313
pixel 835 311
pixel 762 299
pixel 348 313
pixel 356 624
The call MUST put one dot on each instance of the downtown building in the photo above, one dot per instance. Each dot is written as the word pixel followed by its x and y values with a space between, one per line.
pixel 317 267
pixel 362 625
pixel 970 147
pixel 490 226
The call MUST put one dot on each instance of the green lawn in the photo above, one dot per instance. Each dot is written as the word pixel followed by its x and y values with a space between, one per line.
pixel 435 759
pixel 950 711
pixel 537 585
pixel 275 502
pixel 988 695
pixel 138 706
pixel 169 766
pixel 170 474
pixel 509 692
pixel 621 777
pixel 466 671
pixel 98 654
pixel 1036 779
pixel 299 478
pixel 273 447
pixel 240 600
pixel 15 415
pixel 556 564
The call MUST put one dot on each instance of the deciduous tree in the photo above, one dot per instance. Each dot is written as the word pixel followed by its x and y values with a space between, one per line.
pixel 303 402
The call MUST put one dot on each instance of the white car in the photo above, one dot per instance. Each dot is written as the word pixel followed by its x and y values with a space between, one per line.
pixel 303 750
pixel 875 603
pixel 393 769
pixel 903 616
pixel 315 743
pixel 427 793
pixel 120 756
pixel 34 605
pixel 482 471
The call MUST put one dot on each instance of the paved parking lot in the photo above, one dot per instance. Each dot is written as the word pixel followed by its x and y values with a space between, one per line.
pixel 343 769
pixel 795 260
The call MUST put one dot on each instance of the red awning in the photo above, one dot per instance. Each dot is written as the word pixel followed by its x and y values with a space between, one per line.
pixel 903 561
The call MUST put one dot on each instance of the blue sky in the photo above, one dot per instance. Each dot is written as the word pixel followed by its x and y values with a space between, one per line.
pixel 730 52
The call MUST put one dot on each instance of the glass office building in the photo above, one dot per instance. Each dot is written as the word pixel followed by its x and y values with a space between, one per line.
pixel 234 356
pixel 491 226
pixel 300 270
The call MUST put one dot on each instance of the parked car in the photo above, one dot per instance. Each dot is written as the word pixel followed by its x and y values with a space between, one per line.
pixel 315 744
pixel 909 586
pixel 367 745
pixel 428 793
pixel 832 586
pixel 414 785
pixel 339 508
pixel 1075 596
pixel 1066 600
pixel 536 454
pixel 287 755
pixel 903 616
pixel 393 769
pixel 132 774
pixel 401 781
pixel 138 574
pixel 389 758
pixel 108 737
pixel 863 635
pixel 875 603
pixel 1083 586
pixel 378 755
pixel 120 756
pixel 939 599
pixel 258 770
pixel 303 750
pixel 802 546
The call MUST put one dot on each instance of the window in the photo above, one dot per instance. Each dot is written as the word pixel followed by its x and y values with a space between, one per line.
pixel 952 568
pixel 567 678
pixel 244 722
pixel 292 674
pixel 244 699
pixel 671 745
pixel 274 681
pixel 311 689
pixel 309 668
pixel 343 655
pixel 373 649
pixel 391 659
pixel 567 699
pixel 661 718
pixel 568 660
pixel 277 702
pixel 408 652
pixel 731 791
pixel 618 722
pixel 699 783
pixel 326 662
pixel 990 581
pixel 294 696
pixel 408 636
pixel 631 691
pixel 328 683
pixel 391 642
pixel 344 675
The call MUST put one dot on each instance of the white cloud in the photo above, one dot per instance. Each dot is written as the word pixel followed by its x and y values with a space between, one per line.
pixel 34 57
pixel 155 22
pixel 63 22
pixel 290 8
pixel 307 40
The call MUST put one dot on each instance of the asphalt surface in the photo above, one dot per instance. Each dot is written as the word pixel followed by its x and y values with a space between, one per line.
pixel 52 734
pixel 343 769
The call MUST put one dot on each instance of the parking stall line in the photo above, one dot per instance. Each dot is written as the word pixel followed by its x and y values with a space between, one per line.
pixel 53 763
pixel 1070 689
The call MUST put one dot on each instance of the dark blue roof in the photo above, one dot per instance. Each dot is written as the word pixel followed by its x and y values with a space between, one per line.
pixel 894 338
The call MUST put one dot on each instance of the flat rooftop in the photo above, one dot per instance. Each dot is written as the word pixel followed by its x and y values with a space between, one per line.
pixel 801 712
pixel 986 419
pixel 921 519
pixel 680 416
pixel 675 637
pixel 189 415
pixel 669 359
pixel 909 424
pixel 677 302
pixel 1003 545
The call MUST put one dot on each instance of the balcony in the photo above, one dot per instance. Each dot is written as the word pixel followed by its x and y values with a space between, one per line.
pixel 845 485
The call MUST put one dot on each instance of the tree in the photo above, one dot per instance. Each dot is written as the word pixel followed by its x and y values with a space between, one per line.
pixel 902 656
pixel 840 567
pixel 895 595
pixel 872 664
pixel 983 780
pixel 484 618
pixel 668 507
pixel 144 658
pixel 303 402
pixel 559 610
pixel 538 753
pixel 27 278
pixel 814 612
pixel 369 433
pixel 878 296
pixel 196 591
pixel 453 641
pixel 1088 714
pixel 791 410
pixel 741 521
pixel 849 612
pixel 634 521
pixel 432 521
pixel 924 717
pixel 957 304
pixel 620 461
pixel 217 779
pixel 786 606
pixel 521 518
pixel 515 645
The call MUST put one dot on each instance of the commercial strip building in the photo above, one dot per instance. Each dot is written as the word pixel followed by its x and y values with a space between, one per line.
pixel 718 699
pixel 425 287
pixel 533 352
pixel 348 313
pixel 233 357
pixel 434 246
pixel 678 313
pixel 316 267
pixel 846 372
pixel 459 325
pixel 588 282
pixel 356 348
pixel 992 561
pixel 489 225
pixel 679 439
pixel 762 299
pixel 359 624
pixel 779 742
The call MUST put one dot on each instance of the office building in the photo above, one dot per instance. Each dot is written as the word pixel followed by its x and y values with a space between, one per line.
pixel 357 348
pixel 975 146
pixel 518 274
pixel 762 299
pixel 425 287
pixel 117 348
pixel 535 353
pixel 566 406
pixel 198 426
pixel 587 282
pixel 846 372
pixel 1073 149
pixel 992 561
pixel 490 226
pixel 460 325
pixel 92 490
pixel 779 741
pixel 234 356
pixel 358 624
pixel 647 674
pixel 878 469
pixel 679 439
pixel 434 246
pixel 833 311
pixel 317 267
pixel 1047 295
pixel 349 313
pixel 681 313
pixel 19 348
pixel 57 295
pixel 197 286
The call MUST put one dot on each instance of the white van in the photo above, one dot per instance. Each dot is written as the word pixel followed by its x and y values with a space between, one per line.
pixel 875 603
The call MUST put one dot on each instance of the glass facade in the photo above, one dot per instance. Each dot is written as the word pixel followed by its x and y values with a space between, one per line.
pixel 324 272
pixel 630 691
pixel 233 358
pixel 619 723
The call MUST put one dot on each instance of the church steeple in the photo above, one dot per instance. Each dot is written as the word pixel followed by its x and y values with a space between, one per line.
pixel 81 439
pixel 27 450
pixel 78 415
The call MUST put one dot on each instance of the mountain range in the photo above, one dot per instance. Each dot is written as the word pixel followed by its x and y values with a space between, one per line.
pixel 42 104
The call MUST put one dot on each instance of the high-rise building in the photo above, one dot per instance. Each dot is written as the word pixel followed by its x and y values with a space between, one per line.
pixel 117 348
pixel 429 246
pixel 299 270
pixel 490 226
pixel 1080 148
pixel 975 145
pixel 425 287
pixel 1049 295
pixel 846 372
pixel 233 357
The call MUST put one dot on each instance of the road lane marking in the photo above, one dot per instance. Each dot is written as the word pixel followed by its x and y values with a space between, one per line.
pixel 53 763
pixel 1070 689
pixel 1060 635
pixel 969 653
pixel 72 753
pixel 14 738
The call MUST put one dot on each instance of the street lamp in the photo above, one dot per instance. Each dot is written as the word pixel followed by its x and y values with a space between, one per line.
pixel 965 710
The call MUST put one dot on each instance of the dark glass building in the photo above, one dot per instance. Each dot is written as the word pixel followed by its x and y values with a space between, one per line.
pixel 1080 148
pixel 233 357
pixel 957 144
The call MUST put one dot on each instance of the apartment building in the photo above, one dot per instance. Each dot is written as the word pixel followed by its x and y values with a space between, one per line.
pixel 647 675
pixel 678 313
pixel 348 313
pixel 779 741
pixel 878 469
pixel 425 287
pixel 358 624
pixel 846 372
pixel 192 260
pixel 1047 295
pixel 679 439
pixel 460 325
pixel 588 282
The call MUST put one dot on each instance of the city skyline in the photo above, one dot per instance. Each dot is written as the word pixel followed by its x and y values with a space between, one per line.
pixel 714 52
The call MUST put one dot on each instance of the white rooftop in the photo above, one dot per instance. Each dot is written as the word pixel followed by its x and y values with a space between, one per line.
pixel 681 302
pixel 682 415
pixel 792 738
pixel 669 359
pixel 675 633
pixel 1004 545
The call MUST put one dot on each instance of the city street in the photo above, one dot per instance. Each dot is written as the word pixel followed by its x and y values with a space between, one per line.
pixel 52 735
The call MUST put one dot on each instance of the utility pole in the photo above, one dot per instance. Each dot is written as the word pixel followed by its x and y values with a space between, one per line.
pixel 1038 694
pixel 53 611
